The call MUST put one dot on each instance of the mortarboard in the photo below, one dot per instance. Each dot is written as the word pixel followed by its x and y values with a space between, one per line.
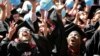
pixel 14 11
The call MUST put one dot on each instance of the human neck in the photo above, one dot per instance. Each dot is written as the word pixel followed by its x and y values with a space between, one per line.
pixel 74 49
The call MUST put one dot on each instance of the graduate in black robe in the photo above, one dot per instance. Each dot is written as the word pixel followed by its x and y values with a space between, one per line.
pixel 93 45
pixel 35 46
pixel 56 38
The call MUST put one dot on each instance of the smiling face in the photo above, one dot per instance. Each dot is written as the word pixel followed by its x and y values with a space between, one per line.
pixel 74 39
pixel 24 33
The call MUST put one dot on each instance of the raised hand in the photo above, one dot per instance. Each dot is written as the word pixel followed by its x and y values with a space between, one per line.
pixel 2 12
pixel 12 29
pixel 59 8
pixel 2 6
pixel 76 18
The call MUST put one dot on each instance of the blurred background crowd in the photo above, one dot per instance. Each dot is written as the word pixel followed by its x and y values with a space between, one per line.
pixel 49 27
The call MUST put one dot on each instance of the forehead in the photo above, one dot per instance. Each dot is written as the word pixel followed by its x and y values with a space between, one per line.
pixel 74 33
pixel 23 28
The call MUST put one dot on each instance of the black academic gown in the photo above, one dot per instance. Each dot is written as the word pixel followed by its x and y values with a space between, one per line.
pixel 13 48
pixel 43 45
pixel 73 27
pixel 93 44
pixel 90 30
pixel 56 38
pixel 21 49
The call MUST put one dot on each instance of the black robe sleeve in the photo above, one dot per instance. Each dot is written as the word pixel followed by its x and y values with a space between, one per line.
pixel 3 46
pixel 93 45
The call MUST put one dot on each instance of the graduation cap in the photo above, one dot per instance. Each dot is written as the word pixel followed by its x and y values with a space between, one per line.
pixel 14 11
pixel 72 27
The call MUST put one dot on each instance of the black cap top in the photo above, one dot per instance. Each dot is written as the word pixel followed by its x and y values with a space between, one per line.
pixel 14 11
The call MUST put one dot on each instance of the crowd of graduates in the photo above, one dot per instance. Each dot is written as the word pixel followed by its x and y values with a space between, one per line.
pixel 49 28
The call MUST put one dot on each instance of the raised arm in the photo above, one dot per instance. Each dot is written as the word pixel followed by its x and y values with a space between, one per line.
pixel 75 4
pixel 74 7
pixel 2 13
pixel 76 19
pixel 11 31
